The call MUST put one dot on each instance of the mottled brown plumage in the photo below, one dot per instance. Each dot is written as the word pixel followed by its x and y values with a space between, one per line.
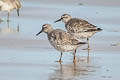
pixel 75 25
pixel 78 27
pixel 61 40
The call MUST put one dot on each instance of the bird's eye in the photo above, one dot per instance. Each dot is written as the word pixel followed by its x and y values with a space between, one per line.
pixel 45 27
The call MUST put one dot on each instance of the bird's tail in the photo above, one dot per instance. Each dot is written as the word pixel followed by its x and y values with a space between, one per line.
pixel 82 43
pixel 99 29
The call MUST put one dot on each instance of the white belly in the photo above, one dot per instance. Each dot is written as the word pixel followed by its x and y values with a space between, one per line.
pixel 64 48
pixel 83 34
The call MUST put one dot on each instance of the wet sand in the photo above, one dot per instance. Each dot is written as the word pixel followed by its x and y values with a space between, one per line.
pixel 23 56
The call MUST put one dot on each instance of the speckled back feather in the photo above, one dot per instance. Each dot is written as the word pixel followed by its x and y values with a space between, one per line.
pixel 61 37
pixel 76 25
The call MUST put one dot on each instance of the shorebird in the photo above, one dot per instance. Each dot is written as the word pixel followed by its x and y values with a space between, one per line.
pixel 78 27
pixel 61 40
pixel 9 5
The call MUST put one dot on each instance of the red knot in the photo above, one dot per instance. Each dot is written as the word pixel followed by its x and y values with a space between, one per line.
pixel 61 40
pixel 78 27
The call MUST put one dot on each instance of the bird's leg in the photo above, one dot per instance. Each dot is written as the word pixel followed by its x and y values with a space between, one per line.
pixel 88 48
pixel 18 12
pixel 1 19
pixel 88 57
pixel 8 24
pixel 88 43
pixel 74 57
pixel 75 66
pixel 8 16
pixel 60 60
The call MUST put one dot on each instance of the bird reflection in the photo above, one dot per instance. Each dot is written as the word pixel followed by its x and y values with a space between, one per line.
pixel 88 56
pixel 9 29
pixel 72 71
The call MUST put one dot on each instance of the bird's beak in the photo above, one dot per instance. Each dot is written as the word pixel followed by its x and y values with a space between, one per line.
pixel 40 32
pixel 58 20
pixel 18 12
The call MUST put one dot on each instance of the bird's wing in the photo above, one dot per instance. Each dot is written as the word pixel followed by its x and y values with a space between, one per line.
pixel 78 25
pixel 15 3
pixel 18 4
pixel 61 37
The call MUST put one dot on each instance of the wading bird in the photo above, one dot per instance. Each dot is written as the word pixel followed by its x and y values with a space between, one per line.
pixel 9 5
pixel 78 27
pixel 61 40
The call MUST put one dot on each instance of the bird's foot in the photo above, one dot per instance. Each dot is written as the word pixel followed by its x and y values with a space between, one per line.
pixel 60 61
pixel 74 60
pixel 86 49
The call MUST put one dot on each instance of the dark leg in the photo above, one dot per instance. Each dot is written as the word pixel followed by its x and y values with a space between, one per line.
pixel 88 48
pixel 1 20
pixel 8 17
pixel 88 43
pixel 74 58
pixel 60 60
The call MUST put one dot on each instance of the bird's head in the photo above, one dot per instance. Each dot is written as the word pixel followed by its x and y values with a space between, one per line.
pixel 65 18
pixel 46 28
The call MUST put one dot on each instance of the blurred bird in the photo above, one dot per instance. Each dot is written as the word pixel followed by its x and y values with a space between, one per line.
pixel 9 5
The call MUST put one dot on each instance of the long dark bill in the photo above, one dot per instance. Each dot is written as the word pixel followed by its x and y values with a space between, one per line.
pixel 58 20
pixel 40 32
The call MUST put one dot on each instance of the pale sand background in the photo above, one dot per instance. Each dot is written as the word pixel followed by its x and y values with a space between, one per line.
pixel 23 56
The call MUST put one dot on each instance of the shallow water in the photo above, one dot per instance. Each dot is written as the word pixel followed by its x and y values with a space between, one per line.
pixel 23 56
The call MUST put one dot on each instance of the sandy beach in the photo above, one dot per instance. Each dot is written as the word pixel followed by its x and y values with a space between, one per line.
pixel 23 56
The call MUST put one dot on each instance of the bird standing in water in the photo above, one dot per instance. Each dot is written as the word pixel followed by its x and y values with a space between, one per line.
pixel 78 27
pixel 61 40
pixel 9 5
